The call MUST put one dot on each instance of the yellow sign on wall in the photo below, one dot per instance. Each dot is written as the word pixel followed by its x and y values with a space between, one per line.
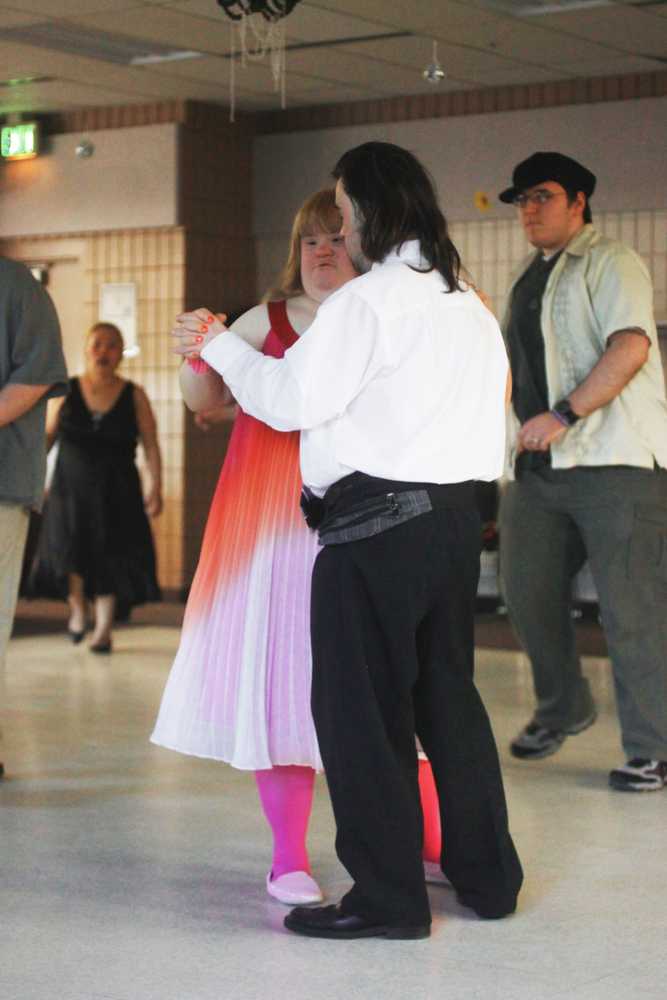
pixel 19 142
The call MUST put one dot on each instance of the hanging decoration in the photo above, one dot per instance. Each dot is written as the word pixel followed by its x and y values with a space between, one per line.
pixel 434 73
pixel 272 10
pixel 254 38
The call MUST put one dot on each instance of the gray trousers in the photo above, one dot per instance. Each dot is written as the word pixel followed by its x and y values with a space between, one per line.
pixel 551 521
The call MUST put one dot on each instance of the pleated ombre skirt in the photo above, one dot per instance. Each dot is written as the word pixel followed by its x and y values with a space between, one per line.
pixel 239 688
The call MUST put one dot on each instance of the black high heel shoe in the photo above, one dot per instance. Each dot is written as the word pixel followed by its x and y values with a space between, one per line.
pixel 76 637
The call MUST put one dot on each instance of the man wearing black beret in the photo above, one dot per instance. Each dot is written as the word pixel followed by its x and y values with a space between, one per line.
pixel 589 463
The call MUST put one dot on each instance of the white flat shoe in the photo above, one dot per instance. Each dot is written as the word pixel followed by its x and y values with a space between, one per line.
pixel 434 874
pixel 294 888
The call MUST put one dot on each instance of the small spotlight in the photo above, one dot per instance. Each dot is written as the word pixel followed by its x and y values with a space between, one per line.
pixel 434 73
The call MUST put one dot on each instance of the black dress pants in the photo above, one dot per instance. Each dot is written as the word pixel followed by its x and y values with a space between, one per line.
pixel 393 648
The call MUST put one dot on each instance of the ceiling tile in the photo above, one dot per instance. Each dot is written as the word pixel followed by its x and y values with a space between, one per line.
pixel 59 95
pixel 347 66
pixel 70 8
pixel 528 40
pixel 407 15
pixel 15 19
pixel 256 77
pixel 135 82
pixel 628 29
pixel 449 20
pixel 456 60
pixel 612 66
pixel 170 27
pixel 331 94
pixel 200 8
pixel 308 23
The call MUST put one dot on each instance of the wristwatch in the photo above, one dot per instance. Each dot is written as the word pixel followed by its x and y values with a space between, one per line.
pixel 563 411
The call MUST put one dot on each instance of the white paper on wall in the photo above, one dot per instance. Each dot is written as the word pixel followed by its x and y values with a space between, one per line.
pixel 118 305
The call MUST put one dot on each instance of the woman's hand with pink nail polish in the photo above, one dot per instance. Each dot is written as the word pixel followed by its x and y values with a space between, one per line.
pixel 193 330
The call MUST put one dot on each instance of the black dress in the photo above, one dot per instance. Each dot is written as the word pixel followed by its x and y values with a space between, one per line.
pixel 94 519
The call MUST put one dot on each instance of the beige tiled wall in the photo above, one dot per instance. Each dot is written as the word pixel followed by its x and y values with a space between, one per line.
pixel 492 250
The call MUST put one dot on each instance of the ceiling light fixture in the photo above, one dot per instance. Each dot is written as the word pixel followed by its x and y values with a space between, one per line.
pixel 434 73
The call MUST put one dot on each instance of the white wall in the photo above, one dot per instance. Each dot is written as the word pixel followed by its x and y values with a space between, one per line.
pixel 130 182
pixel 623 142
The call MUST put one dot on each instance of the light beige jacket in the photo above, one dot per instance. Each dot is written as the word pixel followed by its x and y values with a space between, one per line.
pixel 599 286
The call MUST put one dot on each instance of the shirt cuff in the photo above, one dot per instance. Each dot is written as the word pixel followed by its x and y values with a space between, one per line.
pixel 224 350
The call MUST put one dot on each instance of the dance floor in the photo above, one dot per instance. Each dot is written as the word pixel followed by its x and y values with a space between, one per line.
pixel 132 873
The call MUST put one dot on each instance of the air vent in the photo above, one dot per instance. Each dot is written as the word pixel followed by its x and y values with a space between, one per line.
pixel 80 41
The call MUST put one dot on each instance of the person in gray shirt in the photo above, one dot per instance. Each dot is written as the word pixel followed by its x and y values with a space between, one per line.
pixel 32 368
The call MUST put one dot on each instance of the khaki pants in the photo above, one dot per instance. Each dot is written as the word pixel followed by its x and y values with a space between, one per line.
pixel 13 531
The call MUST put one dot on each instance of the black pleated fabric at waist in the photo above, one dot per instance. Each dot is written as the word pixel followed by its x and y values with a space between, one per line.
pixel 360 506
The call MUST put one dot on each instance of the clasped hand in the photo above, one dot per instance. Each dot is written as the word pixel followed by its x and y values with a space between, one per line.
pixel 194 330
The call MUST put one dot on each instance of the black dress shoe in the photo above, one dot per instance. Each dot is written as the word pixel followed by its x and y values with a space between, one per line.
pixel 76 637
pixel 101 647
pixel 331 922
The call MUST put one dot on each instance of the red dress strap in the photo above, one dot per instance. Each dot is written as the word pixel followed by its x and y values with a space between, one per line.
pixel 280 323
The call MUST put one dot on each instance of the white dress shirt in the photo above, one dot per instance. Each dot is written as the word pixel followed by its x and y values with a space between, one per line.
pixel 395 378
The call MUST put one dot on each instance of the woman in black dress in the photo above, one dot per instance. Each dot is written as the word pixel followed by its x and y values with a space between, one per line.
pixel 96 541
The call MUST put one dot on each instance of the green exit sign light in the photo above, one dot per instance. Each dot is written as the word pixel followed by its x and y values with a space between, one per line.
pixel 19 142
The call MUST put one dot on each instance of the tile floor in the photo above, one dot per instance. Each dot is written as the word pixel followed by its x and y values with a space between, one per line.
pixel 131 873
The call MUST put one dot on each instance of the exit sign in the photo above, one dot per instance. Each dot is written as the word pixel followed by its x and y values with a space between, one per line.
pixel 19 142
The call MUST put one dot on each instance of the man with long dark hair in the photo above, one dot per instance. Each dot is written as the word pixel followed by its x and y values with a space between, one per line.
pixel 398 388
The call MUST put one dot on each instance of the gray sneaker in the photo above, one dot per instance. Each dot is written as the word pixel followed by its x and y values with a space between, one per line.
pixel 536 741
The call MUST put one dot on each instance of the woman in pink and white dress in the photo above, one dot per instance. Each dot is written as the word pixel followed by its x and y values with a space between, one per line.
pixel 239 688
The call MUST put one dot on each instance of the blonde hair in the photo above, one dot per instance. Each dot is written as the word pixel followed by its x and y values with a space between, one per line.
pixel 104 327
pixel 318 214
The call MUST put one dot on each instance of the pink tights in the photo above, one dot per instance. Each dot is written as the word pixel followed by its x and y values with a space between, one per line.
pixel 286 794
pixel 431 810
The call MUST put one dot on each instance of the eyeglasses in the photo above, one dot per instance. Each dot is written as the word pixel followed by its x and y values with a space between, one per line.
pixel 540 197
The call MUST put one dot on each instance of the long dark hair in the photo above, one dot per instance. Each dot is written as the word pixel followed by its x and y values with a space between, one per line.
pixel 396 201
